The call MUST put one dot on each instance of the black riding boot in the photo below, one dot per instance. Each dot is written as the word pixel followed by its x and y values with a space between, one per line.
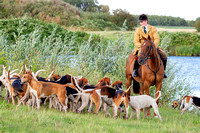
pixel 135 69
pixel 164 64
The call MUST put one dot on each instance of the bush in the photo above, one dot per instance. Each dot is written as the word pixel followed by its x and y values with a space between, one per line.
pixel 25 26
pixel 182 43
pixel 197 24
pixel 48 11
pixel 119 16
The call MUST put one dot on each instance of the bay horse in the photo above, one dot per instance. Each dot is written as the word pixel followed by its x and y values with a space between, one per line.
pixel 150 72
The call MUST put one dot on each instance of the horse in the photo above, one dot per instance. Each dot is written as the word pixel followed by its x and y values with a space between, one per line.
pixel 150 72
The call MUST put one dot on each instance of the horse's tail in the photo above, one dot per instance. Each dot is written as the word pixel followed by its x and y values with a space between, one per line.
pixel 136 86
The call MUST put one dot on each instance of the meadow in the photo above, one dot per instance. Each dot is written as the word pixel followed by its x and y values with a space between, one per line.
pixel 93 57
pixel 50 120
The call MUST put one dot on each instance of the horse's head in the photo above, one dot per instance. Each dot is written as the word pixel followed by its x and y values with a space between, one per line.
pixel 146 50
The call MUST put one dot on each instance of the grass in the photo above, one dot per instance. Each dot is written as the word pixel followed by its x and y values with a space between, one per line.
pixel 113 35
pixel 51 120
pixel 175 27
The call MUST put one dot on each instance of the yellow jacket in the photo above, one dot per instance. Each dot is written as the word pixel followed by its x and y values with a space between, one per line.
pixel 151 31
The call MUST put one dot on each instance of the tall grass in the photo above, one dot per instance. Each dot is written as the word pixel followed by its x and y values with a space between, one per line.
pixel 92 60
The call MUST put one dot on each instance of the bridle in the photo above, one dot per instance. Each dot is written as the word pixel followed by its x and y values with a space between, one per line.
pixel 147 56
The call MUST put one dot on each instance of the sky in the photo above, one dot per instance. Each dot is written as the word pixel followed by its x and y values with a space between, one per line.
pixel 187 9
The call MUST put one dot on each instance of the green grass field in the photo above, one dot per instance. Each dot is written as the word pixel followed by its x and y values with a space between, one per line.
pixel 50 120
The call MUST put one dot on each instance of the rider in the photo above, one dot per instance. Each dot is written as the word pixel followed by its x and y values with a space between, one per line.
pixel 145 30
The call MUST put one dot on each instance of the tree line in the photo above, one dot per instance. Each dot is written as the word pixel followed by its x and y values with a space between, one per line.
pixel 84 14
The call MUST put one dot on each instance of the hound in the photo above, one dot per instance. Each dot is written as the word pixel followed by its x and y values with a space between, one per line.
pixel 118 85
pixel 5 80
pixel 85 98
pixel 146 102
pixel 188 101
pixel 137 103
pixel 176 103
pixel 40 89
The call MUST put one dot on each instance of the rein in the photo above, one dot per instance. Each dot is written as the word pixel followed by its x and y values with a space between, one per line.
pixel 147 57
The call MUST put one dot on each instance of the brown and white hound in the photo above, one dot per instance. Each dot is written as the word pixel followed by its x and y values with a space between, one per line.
pixel 85 97
pixel 40 89
pixel 188 101
pixel 118 85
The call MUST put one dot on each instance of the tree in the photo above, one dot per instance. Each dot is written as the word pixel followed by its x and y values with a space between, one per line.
pixel 119 16
pixel 197 24
pixel 104 8
pixel 85 5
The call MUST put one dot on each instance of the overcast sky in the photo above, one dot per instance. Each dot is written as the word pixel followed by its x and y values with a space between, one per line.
pixel 187 9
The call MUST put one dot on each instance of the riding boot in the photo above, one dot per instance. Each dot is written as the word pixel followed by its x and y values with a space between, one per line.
pixel 135 68
pixel 164 64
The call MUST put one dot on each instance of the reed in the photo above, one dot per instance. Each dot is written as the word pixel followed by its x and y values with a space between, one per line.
pixel 90 59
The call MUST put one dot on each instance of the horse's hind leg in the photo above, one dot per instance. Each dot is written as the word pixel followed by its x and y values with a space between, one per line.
pixel 158 88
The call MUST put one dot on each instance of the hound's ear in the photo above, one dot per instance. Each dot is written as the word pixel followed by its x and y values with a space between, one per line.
pixel 113 84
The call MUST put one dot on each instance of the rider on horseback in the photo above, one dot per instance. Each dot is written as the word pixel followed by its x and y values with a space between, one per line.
pixel 144 31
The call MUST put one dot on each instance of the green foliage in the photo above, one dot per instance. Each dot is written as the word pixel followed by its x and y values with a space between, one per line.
pixel 197 24
pixel 104 8
pixel 11 29
pixel 166 21
pixel 95 22
pixel 85 5
pixel 48 11
pixel 119 16
pixel 182 43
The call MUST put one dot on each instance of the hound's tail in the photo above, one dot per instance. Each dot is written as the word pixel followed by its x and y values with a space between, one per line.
pixel 158 95
pixel 85 91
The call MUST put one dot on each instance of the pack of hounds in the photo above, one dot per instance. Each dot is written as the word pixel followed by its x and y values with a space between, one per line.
pixel 77 94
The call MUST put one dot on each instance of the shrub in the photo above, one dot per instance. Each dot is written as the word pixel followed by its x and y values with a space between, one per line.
pixel 182 43
pixel 119 16
pixel 27 25
pixel 197 24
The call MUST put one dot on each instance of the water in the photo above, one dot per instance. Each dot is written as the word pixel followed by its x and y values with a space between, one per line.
pixel 190 69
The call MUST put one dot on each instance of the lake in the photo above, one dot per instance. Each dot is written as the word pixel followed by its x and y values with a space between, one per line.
pixel 190 69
